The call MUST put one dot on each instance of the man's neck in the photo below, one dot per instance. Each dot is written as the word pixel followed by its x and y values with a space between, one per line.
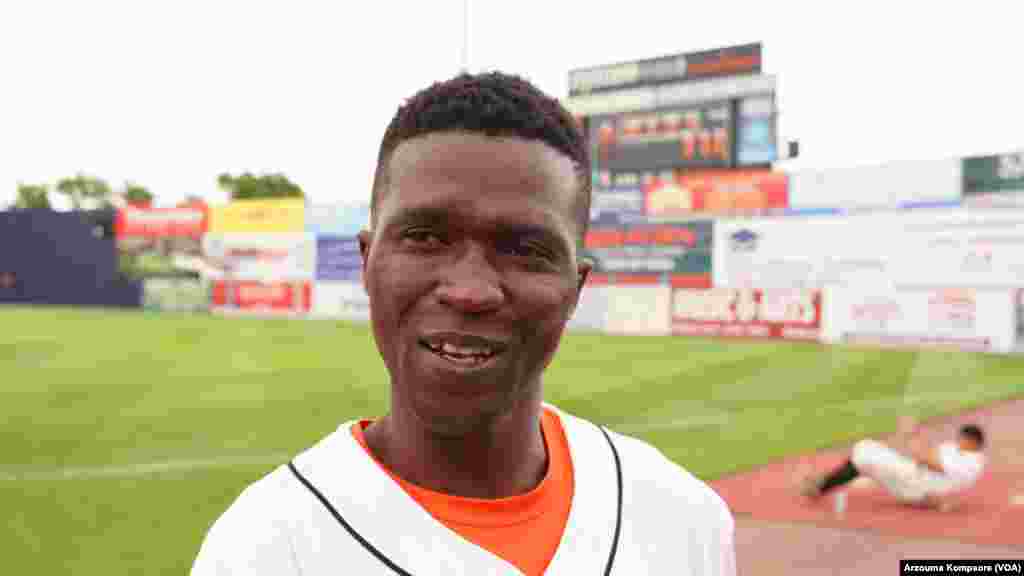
pixel 502 457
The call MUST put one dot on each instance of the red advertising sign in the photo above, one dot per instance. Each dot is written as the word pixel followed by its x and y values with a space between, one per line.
pixel 161 222
pixel 697 281
pixel 263 296
pixel 737 192
pixel 743 313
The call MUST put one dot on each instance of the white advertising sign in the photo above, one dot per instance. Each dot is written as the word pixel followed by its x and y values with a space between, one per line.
pixel 639 310
pixel 342 300
pixel 260 256
pixel 798 253
pixel 962 318
pixel 918 248
pixel 885 185
pixel 591 310
pixel 669 95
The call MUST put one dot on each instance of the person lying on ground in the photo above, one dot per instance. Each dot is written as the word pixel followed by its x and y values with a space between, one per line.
pixel 911 470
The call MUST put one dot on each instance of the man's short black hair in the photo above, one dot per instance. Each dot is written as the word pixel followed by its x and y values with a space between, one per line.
pixel 973 432
pixel 493 104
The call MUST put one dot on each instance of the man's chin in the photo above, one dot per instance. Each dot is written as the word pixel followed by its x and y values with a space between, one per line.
pixel 456 409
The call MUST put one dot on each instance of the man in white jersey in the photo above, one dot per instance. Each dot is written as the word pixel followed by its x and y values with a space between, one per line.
pixel 480 202
pixel 918 474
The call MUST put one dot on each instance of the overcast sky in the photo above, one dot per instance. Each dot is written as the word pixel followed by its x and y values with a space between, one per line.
pixel 169 94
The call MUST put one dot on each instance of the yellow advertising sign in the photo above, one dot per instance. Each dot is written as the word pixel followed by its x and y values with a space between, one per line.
pixel 261 215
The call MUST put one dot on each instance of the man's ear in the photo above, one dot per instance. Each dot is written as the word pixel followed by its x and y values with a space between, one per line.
pixel 365 238
pixel 583 269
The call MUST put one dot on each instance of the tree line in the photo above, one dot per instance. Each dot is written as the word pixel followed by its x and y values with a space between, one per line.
pixel 82 188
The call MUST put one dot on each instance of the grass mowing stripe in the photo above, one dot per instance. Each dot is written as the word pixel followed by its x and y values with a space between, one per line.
pixel 141 469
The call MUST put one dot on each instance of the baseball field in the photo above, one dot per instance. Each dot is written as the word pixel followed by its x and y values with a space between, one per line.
pixel 125 434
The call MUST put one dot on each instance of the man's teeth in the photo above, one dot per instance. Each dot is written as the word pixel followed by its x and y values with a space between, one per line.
pixel 454 350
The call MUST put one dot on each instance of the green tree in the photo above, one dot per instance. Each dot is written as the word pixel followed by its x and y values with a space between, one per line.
pixel 81 187
pixel 248 186
pixel 33 196
pixel 137 194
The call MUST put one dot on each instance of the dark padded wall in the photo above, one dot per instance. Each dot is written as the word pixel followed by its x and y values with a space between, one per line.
pixel 62 258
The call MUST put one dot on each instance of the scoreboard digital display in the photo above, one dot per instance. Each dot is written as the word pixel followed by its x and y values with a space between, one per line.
pixel 665 139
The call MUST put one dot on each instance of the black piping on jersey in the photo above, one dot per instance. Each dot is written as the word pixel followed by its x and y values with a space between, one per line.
pixel 399 570
pixel 618 505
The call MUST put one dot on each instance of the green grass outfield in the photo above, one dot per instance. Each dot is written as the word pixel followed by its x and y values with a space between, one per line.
pixel 124 434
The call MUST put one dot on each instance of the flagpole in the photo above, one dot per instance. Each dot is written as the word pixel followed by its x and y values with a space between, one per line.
pixel 465 36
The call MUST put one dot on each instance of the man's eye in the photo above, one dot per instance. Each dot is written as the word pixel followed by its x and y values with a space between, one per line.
pixel 421 237
pixel 530 251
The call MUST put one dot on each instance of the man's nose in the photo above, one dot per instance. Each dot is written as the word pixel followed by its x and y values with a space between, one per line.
pixel 471 283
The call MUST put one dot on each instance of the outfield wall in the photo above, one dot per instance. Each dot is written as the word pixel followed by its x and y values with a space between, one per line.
pixel 970 319
pixel 950 277
pixel 962 318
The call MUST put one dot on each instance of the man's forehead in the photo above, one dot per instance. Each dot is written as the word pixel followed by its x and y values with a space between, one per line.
pixel 503 180
pixel 465 155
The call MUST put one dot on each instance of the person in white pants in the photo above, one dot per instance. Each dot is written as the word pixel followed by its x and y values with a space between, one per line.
pixel 918 474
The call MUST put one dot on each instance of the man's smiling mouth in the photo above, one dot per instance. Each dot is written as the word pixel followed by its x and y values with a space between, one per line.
pixel 463 349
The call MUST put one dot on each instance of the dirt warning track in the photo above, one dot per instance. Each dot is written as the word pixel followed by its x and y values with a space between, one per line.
pixel 778 532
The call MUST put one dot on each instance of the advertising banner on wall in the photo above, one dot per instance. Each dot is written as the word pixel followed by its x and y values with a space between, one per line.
pixel 159 242
pixel 960 318
pixel 175 294
pixel 778 253
pixel 675 95
pixel 926 247
pixel 638 309
pixel 722 193
pixel 274 215
pixel 137 222
pixel 341 300
pixel 744 313
pixel 670 248
pixel 265 257
pixel 618 200
pixel 757 139
pixel 727 61
pixel 255 297
pixel 337 220
pixel 887 185
pixel 589 315
pixel 665 139
pixel 994 180
pixel 338 259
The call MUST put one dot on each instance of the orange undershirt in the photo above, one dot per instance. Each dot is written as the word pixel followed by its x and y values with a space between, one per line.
pixel 523 530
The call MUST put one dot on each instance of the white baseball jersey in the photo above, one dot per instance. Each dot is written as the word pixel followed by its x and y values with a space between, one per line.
pixel 912 482
pixel 334 511
pixel 960 470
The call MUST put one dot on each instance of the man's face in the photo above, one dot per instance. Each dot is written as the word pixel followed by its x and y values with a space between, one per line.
pixel 472 273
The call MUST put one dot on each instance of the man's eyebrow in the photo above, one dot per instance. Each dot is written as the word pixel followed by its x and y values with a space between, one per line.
pixel 421 215
pixel 439 215
pixel 530 230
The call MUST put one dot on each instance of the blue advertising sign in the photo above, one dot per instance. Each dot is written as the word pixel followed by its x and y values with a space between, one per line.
pixel 757 132
pixel 616 204
pixel 337 220
pixel 338 258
